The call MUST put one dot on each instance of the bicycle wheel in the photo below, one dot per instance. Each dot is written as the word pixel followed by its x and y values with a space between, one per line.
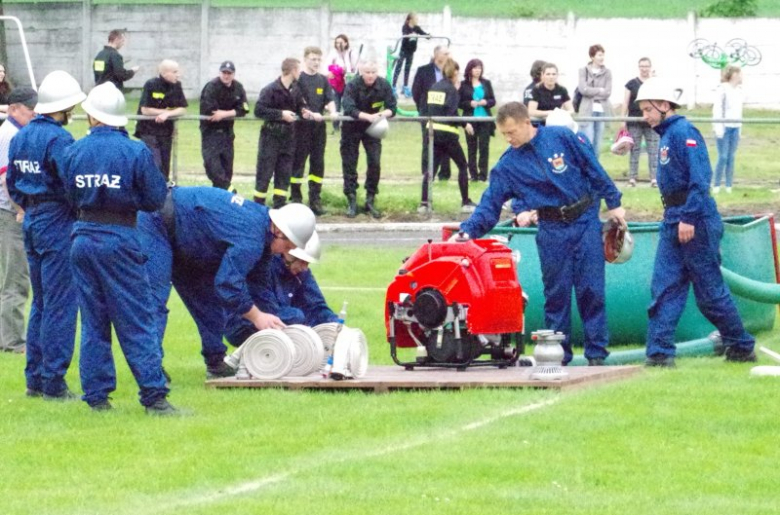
pixel 714 56
pixel 696 46
pixel 751 56
pixel 736 48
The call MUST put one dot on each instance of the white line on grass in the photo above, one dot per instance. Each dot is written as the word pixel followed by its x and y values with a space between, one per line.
pixel 352 288
pixel 259 484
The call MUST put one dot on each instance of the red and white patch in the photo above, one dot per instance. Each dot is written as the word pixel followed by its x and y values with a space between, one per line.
pixel 690 143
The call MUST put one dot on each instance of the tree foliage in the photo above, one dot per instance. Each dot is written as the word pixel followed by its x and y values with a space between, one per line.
pixel 730 9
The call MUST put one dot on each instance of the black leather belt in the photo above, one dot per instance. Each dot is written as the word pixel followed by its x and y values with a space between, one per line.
pixel 108 217
pixel 566 214
pixel 677 198
pixel 169 216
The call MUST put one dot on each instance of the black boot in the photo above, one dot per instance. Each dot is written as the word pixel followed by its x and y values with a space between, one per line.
pixel 370 209
pixel 279 201
pixel 260 200
pixel 351 206
pixel 295 193
pixel 314 199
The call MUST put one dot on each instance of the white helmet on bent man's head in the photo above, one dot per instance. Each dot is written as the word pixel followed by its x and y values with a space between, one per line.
pixel 659 89
pixel 312 252
pixel 106 104
pixel 59 91
pixel 296 221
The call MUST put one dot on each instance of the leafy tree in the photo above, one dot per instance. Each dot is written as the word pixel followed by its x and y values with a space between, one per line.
pixel 730 9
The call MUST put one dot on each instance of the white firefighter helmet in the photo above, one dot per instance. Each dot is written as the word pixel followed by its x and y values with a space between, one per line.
pixel 106 104
pixel 618 243
pixel 379 128
pixel 296 221
pixel 59 91
pixel 312 252
pixel 659 89
pixel 561 118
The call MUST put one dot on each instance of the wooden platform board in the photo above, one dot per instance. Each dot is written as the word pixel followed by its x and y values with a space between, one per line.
pixel 381 379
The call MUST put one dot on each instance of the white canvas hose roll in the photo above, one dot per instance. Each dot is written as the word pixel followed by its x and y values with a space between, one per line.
pixel 350 356
pixel 309 351
pixel 268 354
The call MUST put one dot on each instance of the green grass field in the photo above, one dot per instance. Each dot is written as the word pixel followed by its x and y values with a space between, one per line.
pixel 490 8
pixel 698 440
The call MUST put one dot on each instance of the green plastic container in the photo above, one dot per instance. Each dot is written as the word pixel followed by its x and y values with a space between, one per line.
pixel 748 250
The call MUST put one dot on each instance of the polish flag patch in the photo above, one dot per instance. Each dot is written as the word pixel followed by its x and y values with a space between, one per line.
pixel 690 143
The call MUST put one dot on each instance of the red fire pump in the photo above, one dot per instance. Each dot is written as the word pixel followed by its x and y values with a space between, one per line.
pixel 456 302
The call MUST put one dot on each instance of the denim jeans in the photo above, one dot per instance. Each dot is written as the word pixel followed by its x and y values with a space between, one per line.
pixel 594 132
pixel 727 148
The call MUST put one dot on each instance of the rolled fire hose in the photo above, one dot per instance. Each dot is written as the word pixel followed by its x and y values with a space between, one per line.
pixel 309 351
pixel 268 354
pixel 327 333
pixel 350 354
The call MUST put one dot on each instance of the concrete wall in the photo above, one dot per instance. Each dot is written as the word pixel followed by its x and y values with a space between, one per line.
pixel 200 37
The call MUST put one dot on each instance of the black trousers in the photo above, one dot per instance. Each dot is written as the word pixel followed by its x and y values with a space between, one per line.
pixel 446 146
pixel 217 151
pixel 443 168
pixel 405 60
pixel 479 150
pixel 350 148
pixel 310 139
pixel 160 146
pixel 274 160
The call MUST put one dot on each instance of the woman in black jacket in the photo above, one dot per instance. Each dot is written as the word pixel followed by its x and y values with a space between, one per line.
pixel 408 48
pixel 476 99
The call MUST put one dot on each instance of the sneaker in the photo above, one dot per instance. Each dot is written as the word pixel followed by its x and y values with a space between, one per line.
pixel 423 208
pixel 653 183
pixel 715 190
pixel 595 362
pixel 407 92
pixel 660 360
pixel 33 393
pixel 219 370
pixel 737 355
pixel 632 183
pixel 728 189
pixel 468 207
pixel 161 408
pixel 103 405
pixel 64 396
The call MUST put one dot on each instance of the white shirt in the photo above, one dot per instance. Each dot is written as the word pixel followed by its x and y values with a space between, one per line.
pixel 7 131
pixel 727 104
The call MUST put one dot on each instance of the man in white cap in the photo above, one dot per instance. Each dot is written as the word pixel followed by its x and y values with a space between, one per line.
pixel 35 182
pixel 109 178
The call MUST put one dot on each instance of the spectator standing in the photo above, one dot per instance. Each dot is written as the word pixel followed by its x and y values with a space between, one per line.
pixel 310 135
pixel 221 100
pixel 408 48
pixel 14 273
pixel 109 65
pixel 689 238
pixel 5 90
pixel 109 178
pixel 426 76
pixel 477 99
pixel 280 104
pixel 443 100
pixel 342 63
pixel 595 85
pixel 639 130
pixel 536 77
pixel 36 183
pixel 548 94
pixel 367 99
pixel 163 98
pixel 555 177
pixel 727 105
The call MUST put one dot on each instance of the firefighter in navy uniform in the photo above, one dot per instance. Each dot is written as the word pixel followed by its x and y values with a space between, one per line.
pixel 35 183
pixel 205 242
pixel 222 99
pixel 109 65
pixel 162 98
pixel 443 100
pixel 367 98
pixel 109 178
pixel 311 135
pixel 289 290
pixel 556 178
pixel 689 239
pixel 279 104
